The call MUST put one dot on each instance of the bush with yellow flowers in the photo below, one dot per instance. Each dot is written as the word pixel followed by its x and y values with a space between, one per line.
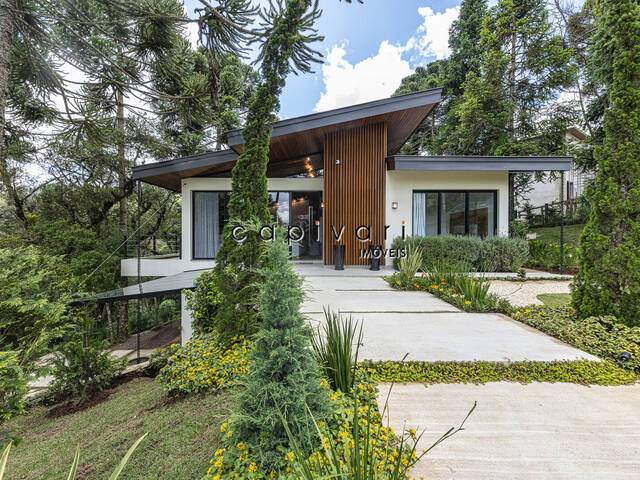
pixel 353 414
pixel 203 364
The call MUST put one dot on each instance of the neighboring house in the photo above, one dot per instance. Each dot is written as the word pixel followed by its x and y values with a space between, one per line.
pixel 331 173
pixel 575 180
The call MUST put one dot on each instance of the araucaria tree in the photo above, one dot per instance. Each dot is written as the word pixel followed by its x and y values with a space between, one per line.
pixel 609 278
pixel 285 49
pixel 284 378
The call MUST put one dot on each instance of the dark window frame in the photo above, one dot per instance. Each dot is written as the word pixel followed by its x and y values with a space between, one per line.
pixel 466 207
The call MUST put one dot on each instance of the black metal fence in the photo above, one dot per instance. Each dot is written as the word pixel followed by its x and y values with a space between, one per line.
pixel 153 246
pixel 576 210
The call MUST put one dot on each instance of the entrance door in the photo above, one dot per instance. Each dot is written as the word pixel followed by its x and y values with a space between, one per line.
pixel 306 213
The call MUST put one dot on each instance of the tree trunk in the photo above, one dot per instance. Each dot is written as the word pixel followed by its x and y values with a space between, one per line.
pixel 6 35
pixel 107 308
pixel 124 306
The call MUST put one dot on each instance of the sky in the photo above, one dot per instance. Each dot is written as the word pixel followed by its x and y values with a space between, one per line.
pixel 368 49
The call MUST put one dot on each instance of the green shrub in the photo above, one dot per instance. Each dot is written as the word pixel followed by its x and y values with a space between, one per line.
pixel 168 310
pixel 601 336
pixel 502 254
pixel 336 347
pixel 583 372
pixel 542 254
pixel 491 254
pixel 203 302
pixel 160 358
pixel 13 386
pixel 204 364
pixel 354 418
pixel 283 375
pixel 83 369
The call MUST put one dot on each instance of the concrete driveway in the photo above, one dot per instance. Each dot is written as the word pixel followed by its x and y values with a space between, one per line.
pixel 426 328
pixel 537 431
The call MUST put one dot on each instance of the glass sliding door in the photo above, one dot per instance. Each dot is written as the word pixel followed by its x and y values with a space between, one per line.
pixel 306 213
pixel 452 213
pixel 481 213
pixel 446 212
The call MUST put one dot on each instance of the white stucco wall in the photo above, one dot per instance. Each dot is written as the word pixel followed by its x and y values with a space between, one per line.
pixel 401 184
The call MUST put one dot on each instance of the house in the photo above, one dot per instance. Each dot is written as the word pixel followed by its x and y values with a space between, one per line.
pixel 576 180
pixel 335 176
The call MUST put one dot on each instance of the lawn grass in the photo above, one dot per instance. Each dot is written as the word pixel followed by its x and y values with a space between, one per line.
pixel 183 434
pixel 552 234
pixel 555 299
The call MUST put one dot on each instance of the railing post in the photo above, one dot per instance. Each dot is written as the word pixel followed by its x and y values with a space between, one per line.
pixel 155 250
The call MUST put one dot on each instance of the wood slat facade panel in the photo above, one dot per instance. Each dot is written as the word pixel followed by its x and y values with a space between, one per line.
pixel 354 189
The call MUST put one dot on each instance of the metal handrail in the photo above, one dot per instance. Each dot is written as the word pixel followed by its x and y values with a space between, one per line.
pixel 153 245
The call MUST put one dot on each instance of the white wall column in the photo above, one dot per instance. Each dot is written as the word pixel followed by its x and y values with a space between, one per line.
pixel 186 320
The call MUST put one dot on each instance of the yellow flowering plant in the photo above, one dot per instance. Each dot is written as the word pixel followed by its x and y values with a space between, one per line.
pixel 203 364
pixel 355 428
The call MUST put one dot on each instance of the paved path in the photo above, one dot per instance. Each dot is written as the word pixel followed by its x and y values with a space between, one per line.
pixel 536 431
pixel 526 293
pixel 426 328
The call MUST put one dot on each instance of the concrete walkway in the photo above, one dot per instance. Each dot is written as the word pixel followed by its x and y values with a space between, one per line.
pixel 397 323
pixel 536 431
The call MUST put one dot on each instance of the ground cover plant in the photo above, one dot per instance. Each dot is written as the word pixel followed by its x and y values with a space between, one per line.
pixel 181 433
pixel 492 254
pixel 602 336
pixel 554 299
pixel 582 372
pixel 204 364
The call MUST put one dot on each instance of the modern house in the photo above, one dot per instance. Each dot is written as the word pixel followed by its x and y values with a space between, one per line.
pixel 337 176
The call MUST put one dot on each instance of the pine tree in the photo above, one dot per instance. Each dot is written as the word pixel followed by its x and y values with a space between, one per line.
pixel 237 263
pixel 525 65
pixel 284 377
pixel 608 281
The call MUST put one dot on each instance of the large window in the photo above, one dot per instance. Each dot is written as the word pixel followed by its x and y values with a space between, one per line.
pixel 209 217
pixel 454 213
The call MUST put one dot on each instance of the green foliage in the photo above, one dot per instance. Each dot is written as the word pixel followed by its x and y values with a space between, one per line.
pixel 410 264
pixel 492 254
pixel 168 310
pixel 76 460
pixel 354 428
pixel 82 368
pixel 203 301
pixel 524 67
pixel 34 289
pixel 160 358
pixel 203 365
pixel 547 255
pixel 608 281
pixel 602 336
pixel 13 386
pixel 335 347
pixel 554 299
pixel 579 371
pixel 287 38
pixel 283 375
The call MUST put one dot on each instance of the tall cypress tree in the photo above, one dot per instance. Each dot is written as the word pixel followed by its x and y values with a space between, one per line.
pixel 237 263
pixel 608 281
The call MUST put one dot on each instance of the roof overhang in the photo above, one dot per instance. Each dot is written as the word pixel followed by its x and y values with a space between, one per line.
pixel 160 287
pixel 476 163
pixel 297 143
pixel 304 135
pixel 168 174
